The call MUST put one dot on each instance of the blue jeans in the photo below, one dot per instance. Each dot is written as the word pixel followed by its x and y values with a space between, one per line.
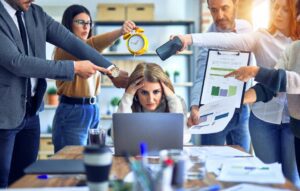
pixel 235 133
pixel 72 122
pixel 274 143
pixel 19 148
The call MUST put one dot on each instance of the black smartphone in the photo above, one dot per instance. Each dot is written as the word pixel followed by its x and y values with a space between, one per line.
pixel 169 48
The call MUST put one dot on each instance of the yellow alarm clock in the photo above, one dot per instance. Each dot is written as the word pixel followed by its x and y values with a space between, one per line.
pixel 137 43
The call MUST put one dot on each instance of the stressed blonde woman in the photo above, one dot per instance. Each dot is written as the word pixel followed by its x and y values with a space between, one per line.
pixel 150 90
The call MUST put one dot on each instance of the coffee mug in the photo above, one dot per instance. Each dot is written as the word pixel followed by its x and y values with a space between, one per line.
pixel 97 162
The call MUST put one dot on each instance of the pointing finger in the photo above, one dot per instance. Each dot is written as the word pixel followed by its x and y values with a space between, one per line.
pixel 231 74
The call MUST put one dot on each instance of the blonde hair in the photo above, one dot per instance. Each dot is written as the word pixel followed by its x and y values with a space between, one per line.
pixel 150 72
pixel 292 22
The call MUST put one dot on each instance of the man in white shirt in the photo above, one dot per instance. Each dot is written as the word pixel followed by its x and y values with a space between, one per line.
pixel 236 132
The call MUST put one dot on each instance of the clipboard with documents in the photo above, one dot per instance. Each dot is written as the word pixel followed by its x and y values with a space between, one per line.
pixel 215 86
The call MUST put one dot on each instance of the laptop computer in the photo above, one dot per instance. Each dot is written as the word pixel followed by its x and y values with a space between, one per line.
pixel 158 130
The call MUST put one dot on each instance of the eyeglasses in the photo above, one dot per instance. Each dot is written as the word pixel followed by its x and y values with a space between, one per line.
pixel 83 23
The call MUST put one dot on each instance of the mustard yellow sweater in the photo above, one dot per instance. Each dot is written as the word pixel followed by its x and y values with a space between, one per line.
pixel 80 87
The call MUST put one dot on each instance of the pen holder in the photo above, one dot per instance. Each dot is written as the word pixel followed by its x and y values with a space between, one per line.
pixel 142 178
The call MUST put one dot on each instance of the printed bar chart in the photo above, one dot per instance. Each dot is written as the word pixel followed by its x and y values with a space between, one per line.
pixel 217 91
pixel 221 72
pixel 232 90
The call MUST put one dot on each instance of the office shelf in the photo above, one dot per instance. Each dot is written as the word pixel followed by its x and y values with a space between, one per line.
pixel 157 32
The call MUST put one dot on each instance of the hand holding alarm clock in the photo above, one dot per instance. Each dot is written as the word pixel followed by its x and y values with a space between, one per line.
pixel 137 42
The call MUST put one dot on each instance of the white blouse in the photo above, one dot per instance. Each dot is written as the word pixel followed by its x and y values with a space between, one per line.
pixel 267 49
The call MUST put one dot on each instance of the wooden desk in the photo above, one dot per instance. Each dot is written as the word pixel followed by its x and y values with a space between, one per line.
pixel 119 169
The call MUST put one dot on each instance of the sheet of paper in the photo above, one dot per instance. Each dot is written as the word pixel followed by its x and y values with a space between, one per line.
pixel 247 172
pixel 252 187
pixel 214 116
pixel 217 155
pixel 215 86
pixel 217 151
pixel 214 164
pixel 81 188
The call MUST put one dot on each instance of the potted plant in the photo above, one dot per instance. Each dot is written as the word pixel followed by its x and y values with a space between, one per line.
pixel 176 76
pixel 114 102
pixel 167 73
pixel 52 96
pixel 113 48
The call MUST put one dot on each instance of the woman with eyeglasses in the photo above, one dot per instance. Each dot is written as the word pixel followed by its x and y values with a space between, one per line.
pixel 78 110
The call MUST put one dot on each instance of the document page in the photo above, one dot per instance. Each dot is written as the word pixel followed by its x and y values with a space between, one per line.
pixel 215 86
pixel 247 172
pixel 214 116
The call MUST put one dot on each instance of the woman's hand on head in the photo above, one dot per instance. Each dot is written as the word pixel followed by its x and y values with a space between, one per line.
pixel 133 87
pixel 167 91
pixel 127 27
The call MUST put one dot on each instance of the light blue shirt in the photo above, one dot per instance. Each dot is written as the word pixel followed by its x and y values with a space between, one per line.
pixel 241 26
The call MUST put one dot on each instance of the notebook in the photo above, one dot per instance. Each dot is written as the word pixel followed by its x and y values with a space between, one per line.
pixel 158 130
pixel 56 167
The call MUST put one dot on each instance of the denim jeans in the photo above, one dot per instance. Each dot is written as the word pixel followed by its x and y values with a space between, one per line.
pixel 275 143
pixel 235 133
pixel 297 150
pixel 72 122
pixel 19 148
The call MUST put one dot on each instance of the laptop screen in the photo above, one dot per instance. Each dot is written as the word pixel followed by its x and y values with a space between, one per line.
pixel 158 130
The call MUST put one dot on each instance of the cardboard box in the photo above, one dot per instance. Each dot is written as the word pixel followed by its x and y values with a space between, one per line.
pixel 140 12
pixel 111 12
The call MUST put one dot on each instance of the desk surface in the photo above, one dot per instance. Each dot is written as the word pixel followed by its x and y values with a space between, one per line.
pixel 119 169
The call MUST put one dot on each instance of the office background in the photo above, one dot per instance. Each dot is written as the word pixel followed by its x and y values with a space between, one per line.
pixel 192 13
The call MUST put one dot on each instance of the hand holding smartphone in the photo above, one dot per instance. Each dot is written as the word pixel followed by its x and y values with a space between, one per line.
pixel 169 48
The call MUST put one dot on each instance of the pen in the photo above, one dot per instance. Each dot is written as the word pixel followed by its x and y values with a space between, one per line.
pixel 143 149
pixel 47 176
pixel 242 156
pixel 144 152
pixel 214 187
pixel 252 167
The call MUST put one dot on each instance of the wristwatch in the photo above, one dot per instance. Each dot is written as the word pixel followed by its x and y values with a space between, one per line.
pixel 115 71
